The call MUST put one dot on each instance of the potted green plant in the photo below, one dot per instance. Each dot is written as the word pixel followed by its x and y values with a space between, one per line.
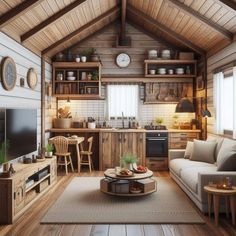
pixel 175 121
pixel 159 121
pixel 49 150
pixel 128 160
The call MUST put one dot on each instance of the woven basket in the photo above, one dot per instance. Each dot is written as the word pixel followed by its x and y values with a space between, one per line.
pixel 62 123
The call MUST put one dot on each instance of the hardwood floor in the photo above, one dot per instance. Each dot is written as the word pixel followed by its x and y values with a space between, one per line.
pixel 29 223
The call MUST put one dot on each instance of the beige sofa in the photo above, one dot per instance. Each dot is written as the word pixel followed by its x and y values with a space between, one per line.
pixel 192 176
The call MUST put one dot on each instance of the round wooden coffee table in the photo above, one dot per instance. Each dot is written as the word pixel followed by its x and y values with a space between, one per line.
pixel 117 185
pixel 216 193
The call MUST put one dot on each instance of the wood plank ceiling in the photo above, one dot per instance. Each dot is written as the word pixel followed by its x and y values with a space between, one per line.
pixel 47 26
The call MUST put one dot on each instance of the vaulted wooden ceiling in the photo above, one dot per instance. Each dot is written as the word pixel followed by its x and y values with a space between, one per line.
pixel 49 26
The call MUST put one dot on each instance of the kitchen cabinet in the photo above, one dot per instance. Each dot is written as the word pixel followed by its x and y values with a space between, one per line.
pixel 179 140
pixel 113 145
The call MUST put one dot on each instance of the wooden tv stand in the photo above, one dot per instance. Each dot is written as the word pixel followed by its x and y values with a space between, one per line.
pixel 17 194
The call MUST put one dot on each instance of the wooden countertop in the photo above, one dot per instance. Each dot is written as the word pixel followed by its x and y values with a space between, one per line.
pixel 97 130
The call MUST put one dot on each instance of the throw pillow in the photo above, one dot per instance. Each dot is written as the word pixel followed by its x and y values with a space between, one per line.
pixel 227 146
pixel 189 150
pixel 218 140
pixel 227 162
pixel 203 151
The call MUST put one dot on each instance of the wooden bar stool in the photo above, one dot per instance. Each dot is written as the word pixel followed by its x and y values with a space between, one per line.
pixel 85 156
pixel 64 157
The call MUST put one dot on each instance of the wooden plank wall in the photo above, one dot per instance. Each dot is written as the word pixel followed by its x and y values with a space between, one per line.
pixel 22 97
pixel 225 56
pixel 104 43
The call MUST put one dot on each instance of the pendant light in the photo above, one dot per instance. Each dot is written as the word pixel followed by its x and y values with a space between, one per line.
pixel 184 105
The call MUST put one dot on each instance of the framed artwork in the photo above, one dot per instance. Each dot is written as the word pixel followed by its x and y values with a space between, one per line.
pixel 8 73
pixel 200 83
pixel 32 78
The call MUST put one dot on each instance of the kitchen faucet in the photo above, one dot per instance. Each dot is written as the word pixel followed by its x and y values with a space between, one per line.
pixel 123 122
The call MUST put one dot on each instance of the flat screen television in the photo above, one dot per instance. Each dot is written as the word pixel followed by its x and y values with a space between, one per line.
pixel 19 131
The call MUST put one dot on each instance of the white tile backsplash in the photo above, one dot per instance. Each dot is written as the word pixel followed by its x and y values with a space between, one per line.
pixel 81 109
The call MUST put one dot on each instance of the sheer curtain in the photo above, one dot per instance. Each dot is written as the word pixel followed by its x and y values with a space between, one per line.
pixel 234 102
pixel 218 100
pixel 122 98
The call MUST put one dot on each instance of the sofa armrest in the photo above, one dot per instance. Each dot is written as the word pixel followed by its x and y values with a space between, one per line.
pixel 205 177
pixel 176 153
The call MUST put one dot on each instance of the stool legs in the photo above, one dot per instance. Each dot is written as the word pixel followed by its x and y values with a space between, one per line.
pixel 216 199
pixel 66 165
pixel 71 164
pixel 209 204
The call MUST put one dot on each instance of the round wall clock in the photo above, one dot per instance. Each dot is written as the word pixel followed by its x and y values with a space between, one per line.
pixel 123 60
pixel 8 73
pixel 32 78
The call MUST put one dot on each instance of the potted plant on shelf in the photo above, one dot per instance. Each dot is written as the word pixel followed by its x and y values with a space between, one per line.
pixel 49 150
pixel 91 123
pixel 128 160
pixel 64 119
pixel 159 122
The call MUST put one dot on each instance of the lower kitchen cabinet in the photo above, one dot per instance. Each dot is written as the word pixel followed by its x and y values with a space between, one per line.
pixel 179 140
pixel 113 145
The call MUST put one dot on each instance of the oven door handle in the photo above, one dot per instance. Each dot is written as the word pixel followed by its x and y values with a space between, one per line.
pixel 156 139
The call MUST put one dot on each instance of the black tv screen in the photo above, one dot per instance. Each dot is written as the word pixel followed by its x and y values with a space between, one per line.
pixel 20 132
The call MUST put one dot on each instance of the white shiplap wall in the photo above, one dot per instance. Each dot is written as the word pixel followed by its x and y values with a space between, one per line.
pixel 22 97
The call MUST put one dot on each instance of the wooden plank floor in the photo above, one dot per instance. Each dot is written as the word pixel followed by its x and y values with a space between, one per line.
pixel 29 223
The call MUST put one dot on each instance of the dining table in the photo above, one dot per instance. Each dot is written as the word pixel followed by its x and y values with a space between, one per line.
pixel 73 141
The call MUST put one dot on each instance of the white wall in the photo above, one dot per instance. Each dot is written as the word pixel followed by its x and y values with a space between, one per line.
pixel 22 97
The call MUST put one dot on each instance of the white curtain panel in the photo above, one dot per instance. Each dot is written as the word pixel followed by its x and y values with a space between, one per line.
pixel 218 100
pixel 234 102
pixel 122 98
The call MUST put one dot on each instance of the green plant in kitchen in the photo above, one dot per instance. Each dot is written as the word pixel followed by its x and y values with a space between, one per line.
pixel 128 160
pixel 3 151
pixel 159 120
pixel 95 75
pixel 49 150
pixel 175 121
pixel 88 52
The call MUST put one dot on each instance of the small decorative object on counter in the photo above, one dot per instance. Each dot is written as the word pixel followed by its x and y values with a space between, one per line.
pixel 159 121
pixel 11 169
pixel 91 123
pixel 226 183
pixel 34 159
pixel 49 150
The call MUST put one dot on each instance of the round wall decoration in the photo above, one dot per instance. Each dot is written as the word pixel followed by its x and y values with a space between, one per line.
pixel 8 73
pixel 123 60
pixel 32 78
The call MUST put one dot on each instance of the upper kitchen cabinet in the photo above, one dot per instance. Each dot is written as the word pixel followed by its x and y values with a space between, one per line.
pixel 77 80
pixel 170 68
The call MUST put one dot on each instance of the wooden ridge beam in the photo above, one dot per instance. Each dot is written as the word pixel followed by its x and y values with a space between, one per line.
pixel 165 29
pixel 208 22
pixel 81 29
pixel 17 11
pixel 231 4
pixel 50 20
pixel 123 18
pixel 152 35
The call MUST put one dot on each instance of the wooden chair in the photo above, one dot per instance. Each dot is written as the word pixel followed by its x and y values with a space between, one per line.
pixel 87 161
pixel 64 157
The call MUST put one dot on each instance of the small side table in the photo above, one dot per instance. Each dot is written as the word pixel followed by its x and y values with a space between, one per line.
pixel 216 193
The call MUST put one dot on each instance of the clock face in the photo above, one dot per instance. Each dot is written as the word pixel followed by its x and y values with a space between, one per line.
pixel 123 60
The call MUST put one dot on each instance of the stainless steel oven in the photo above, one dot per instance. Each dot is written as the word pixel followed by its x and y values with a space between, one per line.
pixel 156 145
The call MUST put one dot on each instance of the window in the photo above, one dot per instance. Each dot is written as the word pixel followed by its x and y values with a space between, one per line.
pixel 122 98
pixel 224 95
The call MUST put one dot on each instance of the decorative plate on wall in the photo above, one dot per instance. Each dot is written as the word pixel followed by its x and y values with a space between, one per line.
pixel 32 78
pixel 8 73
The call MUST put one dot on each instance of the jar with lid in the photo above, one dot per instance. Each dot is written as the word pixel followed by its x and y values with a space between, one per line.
pixel 188 71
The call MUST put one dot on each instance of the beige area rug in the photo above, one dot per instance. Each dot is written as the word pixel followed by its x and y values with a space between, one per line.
pixel 82 202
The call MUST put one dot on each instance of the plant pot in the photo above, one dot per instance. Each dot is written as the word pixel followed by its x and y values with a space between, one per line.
pixel 48 154
pixel 91 125
pixel 62 123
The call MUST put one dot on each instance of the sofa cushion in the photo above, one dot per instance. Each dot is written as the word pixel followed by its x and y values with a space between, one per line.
pixel 189 150
pixel 227 162
pixel 219 140
pixel 227 146
pixel 190 175
pixel 177 165
pixel 203 151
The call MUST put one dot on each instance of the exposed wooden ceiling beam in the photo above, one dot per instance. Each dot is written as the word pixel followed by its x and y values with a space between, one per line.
pixel 123 18
pixel 81 29
pixel 17 11
pixel 229 3
pixel 214 26
pixel 165 29
pixel 50 20
pixel 152 35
